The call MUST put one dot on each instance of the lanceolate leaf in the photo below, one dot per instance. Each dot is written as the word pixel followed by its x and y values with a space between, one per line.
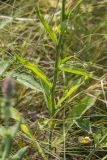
pixel 19 155
pixel 81 107
pixel 35 69
pixel 67 94
pixel 47 27
pixel 44 86
pixel 67 59
pixel 69 69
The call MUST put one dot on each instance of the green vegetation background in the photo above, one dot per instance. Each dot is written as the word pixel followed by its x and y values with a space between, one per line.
pixel 80 132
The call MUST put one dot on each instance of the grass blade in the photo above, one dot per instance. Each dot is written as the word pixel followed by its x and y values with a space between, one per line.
pixel 104 158
pixel 73 5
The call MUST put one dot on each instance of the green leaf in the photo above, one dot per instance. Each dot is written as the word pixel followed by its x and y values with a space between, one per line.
pixel 31 82
pixel 84 124
pixel 70 69
pixel 19 155
pixel 67 59
pixel 35 69
pixel 7 141
pixel 47 27
pixel 28 80
pixel 81 107
pixel 45 85
pixel 67 94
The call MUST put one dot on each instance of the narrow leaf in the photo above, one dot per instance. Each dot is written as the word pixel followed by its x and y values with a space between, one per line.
pixel 7 147
pixel 47 27
pixel 67 94
pixel 69 69
pixel 67 59
pixel 80 108
pixel 73 5
pixel 104 158
pixel 19 155
pixel 35 69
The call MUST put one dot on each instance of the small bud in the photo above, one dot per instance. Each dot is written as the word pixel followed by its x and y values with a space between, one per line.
pixel 8 87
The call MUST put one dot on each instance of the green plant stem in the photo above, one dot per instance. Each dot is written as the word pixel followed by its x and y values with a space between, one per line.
pixel 55 79
pixel 57 61
pixel 58 55
pixel 53 95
